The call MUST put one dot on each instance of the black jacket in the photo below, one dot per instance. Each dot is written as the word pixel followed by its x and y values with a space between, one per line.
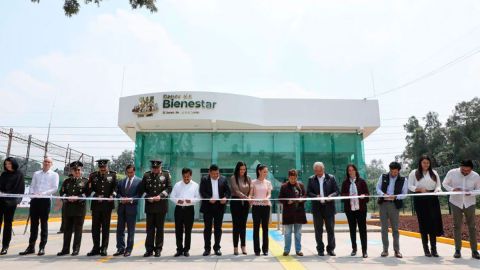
pixel 206 192
pixel 12 182
pixel 330 188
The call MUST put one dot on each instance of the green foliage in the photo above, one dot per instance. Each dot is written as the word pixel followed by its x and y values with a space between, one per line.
pixel 72 7
pixel 445 144
pixel 125 158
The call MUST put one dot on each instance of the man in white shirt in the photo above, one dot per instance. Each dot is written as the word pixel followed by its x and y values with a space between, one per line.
pixel 184 195
pixel 45 183
pixel 466 180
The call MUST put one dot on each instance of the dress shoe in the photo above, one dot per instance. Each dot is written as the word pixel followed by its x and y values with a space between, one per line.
pixel 265 253
pixel 29 250
pixel 93 252
pixel 321 253
pixel 75 253
pixel 365 255
pixel 127 254
pixel 178 254
pixel 331 253
pixel 475 255
pixel 119 252
pixel 300 254
pixel 206 253
pixel 103 252
pixel 398 254
pixel 354 252
pixel 158 253
pixel 457 254
pixel 257 253
pixel 63 253
pixel 434 252
pixel 4 251
pixel 218 252
pixel 384 254
pixel 186 254
pixel 148 254
pixel 41 252
pixel 285 253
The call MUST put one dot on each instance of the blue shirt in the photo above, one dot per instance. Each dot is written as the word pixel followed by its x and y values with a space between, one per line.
pixel 391 187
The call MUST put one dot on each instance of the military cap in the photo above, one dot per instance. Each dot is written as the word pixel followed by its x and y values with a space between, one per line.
pixel 102 162
pixel 156 163
pixel 76 164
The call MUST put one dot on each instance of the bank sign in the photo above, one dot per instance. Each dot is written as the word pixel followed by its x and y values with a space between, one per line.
pixel 185 104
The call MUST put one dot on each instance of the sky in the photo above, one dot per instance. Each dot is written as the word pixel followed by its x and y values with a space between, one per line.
pixel 413 56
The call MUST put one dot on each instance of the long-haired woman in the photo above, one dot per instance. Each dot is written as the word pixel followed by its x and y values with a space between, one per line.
pixel 240 184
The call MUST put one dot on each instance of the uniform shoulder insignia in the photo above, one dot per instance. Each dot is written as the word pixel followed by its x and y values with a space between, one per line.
pixel 147 173
pixel 165 171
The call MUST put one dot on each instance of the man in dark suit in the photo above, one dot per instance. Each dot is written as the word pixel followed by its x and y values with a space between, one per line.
pixel 323 185
pixel 156 185
pixel 215 188
pixel 127 190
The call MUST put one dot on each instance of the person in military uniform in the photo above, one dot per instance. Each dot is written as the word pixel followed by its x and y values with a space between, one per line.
pixel 101 184
pixel 156 186
pixel 73 189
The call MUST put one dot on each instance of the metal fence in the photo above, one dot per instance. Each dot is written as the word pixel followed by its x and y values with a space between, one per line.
pixel 30 152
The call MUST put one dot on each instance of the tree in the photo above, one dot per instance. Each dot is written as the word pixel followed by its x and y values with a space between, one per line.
pixel 125 158
pixel 375 169
pixel 72 7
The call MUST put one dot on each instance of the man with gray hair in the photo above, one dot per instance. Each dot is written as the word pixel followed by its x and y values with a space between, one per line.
pixel 323 186
pixel 45 183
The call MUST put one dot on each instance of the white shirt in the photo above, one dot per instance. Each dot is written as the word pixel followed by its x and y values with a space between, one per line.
pixel 320 181
pixel 455 179
pixel 182 191
pixel 44 183
pixel 215 193
pixel 425 182
pixel 129 180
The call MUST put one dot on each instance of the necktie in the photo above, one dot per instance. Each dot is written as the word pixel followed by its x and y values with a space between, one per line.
pixel 128 185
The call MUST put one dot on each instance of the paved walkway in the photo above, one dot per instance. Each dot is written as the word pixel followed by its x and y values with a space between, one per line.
pixel 411 249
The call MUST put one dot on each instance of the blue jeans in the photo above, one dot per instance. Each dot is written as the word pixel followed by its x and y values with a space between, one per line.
pixel 297 229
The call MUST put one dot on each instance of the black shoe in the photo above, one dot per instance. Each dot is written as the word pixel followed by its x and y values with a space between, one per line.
pixel 384 254
pixel 148 254
pixel 103 252
pixel 365 255
pixel 186 254
pixel 63 253
pixel 218 252
pixel 331 253
pixel 75 253
pixel 4 251
pixel 457 254
pixel 426 251
pixel 93 252
pixel 127 254
pixel 354 252
pixel 178 254
pixel 285 253
pixel 321 253
pixel 434 252
pixel 398 254
pixel 41 252
pixel 29 250
pixel 119 252
pixel 257 253
pixel 206 253
pixel 475 255
pixel 158 253
pixel 265 253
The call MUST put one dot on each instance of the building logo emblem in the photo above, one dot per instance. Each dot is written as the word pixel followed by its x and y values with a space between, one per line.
pixel 146 107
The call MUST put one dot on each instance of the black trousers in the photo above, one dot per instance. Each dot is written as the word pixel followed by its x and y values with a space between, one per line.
pixel 357 218
pixel 214 215
pixel 320 218
pixel 155 225
pixel 184 216
pixel 239 211
pixel 6 218
pixel 39 211
pixel 101 226
pixel 261 216
pixel 72 224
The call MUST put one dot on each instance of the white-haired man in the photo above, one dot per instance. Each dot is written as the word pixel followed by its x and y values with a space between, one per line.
pixel 323 185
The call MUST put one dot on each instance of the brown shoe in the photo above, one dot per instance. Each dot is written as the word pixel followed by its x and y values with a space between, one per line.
pixel 384 254
pixel 300 253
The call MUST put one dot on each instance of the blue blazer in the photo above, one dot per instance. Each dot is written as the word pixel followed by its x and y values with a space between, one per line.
pixel 131 209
